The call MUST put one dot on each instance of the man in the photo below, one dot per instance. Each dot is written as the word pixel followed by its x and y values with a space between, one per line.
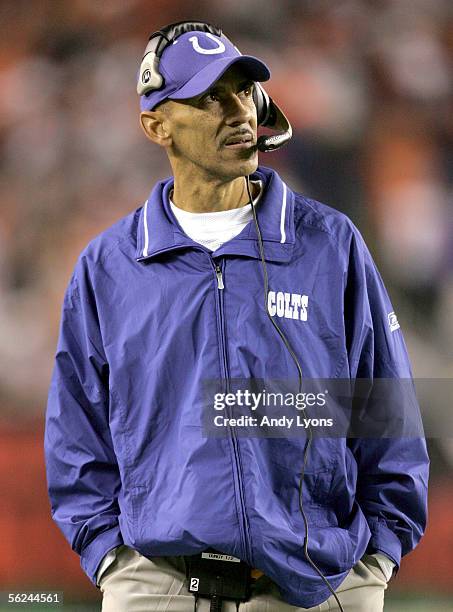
pixel 171 296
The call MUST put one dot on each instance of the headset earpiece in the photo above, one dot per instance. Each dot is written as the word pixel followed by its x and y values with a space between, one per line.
pixel 149 78
pixel 262 104
pixel 270 115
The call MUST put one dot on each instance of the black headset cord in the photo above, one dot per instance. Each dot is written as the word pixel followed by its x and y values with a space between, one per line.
pixel 299 371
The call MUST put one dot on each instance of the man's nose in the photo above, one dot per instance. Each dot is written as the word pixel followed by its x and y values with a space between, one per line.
pixel 239 111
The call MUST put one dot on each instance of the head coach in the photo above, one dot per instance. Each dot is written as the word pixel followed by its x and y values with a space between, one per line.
pixel 224 273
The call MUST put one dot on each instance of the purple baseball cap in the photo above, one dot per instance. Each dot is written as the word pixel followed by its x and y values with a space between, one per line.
pixel 191 64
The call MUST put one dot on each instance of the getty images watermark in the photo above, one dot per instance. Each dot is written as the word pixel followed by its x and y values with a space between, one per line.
pixel 245 398
pixel 360 408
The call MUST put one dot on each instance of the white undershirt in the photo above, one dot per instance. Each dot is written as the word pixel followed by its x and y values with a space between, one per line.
pixel 212 229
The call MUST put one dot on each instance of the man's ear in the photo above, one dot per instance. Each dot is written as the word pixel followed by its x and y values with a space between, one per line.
pixel 155 126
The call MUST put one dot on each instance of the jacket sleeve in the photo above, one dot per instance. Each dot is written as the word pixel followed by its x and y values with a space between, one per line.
pixel 82 473
pixel 392 471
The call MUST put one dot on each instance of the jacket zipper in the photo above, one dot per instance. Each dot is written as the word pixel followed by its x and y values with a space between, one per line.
pixel 218 272
pixel 238 464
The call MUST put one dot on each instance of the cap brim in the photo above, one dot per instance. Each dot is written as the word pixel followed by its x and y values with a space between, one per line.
pixel 254 69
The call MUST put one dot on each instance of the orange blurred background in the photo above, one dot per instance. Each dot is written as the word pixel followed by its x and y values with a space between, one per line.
pixel 368 88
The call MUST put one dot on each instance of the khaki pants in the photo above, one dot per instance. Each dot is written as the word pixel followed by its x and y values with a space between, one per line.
pixel 134 583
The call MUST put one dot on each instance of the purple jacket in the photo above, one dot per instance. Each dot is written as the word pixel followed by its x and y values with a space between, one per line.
pixel 146 319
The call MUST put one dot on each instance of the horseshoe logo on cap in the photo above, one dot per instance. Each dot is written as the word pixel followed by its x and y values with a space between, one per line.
pixel 220 48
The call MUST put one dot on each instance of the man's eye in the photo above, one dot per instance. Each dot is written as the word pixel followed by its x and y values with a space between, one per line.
pixel 247 91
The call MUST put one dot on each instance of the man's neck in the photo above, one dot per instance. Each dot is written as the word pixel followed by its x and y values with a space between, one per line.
pixel 211 196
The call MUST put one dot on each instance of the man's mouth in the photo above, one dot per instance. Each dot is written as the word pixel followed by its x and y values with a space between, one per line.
pixel 242 140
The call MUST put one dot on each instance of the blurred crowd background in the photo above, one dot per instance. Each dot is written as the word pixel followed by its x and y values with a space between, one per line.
pixel 368 87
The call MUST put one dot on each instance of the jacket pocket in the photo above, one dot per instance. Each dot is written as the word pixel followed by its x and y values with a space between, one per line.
pixel 331 547
pixel 287 455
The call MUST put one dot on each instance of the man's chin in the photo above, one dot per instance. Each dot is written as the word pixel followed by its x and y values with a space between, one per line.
pixel 233 169
pixel 247 166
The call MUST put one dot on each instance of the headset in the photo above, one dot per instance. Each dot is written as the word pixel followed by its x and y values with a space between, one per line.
pixel 150 79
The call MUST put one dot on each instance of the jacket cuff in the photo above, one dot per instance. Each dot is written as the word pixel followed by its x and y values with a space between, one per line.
pixel 96 550
pixel 384 540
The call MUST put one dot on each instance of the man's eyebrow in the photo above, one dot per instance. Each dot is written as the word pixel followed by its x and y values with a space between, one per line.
pixel 218 87
pixel 244 84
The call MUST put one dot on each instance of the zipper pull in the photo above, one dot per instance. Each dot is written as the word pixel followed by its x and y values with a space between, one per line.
pixel 218 272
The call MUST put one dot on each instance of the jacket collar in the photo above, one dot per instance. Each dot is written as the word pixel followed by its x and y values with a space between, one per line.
pixel 159 232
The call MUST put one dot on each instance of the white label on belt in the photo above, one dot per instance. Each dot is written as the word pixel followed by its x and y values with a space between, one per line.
pixel 219 557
